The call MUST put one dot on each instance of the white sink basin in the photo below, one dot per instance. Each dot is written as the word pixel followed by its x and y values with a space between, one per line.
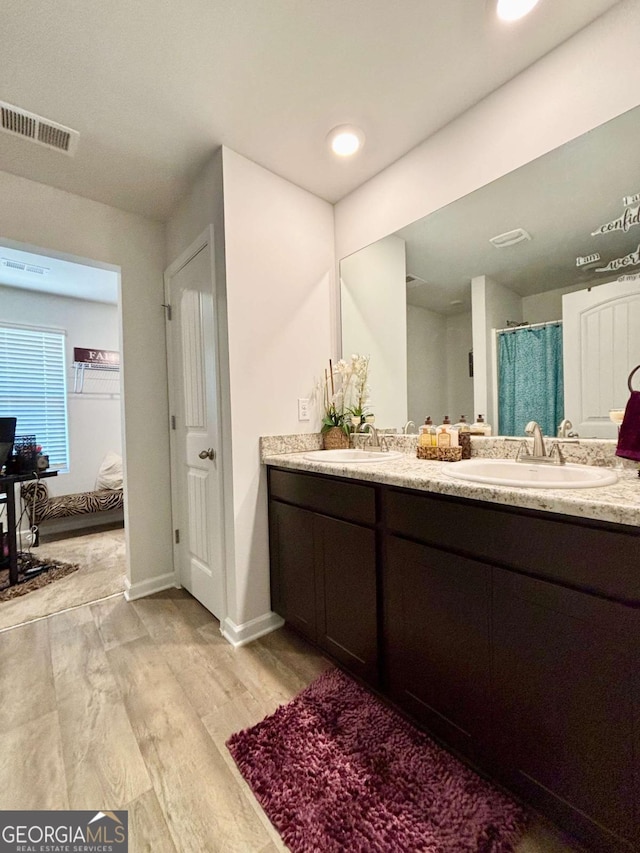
pixel 351 456
pixel 508 472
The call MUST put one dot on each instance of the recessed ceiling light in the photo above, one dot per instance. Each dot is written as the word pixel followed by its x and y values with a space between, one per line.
pixel 345 140
pixel 512 10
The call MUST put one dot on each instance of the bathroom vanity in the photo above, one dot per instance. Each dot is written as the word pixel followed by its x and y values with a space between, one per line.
pixel 512 633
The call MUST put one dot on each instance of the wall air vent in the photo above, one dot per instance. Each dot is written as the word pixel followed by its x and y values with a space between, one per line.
pixel 22 267
pixel 414 280
pixel 19 122
pixel 509 238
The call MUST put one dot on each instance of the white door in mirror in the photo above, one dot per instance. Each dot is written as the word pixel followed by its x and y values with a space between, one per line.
pixel 507 472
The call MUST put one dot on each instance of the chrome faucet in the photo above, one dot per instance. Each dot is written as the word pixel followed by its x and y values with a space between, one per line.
pixel 375 439
pixel 539 452
pixel 565 429
pixel 406 427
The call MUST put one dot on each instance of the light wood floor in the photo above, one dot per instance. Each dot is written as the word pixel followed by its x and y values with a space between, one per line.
pixel 120 705
pixel 102 560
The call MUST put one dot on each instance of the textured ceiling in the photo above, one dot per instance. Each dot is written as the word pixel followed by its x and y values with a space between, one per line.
pixel 154 87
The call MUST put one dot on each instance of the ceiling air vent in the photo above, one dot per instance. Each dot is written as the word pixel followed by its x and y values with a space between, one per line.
pixel 510 238
pixel 22 267
pixel 19 122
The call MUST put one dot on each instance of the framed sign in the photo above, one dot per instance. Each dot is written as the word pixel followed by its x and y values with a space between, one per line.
pixel 102 357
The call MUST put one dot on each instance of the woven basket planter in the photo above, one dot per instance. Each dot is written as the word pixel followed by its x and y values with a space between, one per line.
pixel 335 439
pixel 441 454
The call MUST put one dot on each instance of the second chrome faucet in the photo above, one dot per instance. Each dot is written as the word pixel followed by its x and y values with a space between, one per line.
pixel 539 452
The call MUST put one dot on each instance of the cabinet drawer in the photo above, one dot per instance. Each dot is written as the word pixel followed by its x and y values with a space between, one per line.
pixel 337 498
pixel 575 552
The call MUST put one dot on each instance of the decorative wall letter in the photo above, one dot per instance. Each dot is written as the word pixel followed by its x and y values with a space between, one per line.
pixel 625 222
pixel 629 260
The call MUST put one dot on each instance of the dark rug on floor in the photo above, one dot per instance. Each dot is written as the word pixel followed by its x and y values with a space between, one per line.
pixel 337 770
pixel 33 573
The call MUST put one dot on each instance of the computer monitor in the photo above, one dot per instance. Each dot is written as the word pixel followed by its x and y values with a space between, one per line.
pixel 7 437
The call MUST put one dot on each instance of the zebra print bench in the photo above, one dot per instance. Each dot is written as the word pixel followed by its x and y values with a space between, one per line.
pixel 40 507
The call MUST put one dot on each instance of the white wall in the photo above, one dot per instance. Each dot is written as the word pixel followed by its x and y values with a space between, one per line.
pixel 438 378
pixel 274 262
pixel 374 322
pixel 426 365
pixel 492 306
pixel 58 221
pixel 542 307
pixel 459 383
pixel 280 260
pixel 94 418
pixel 588 80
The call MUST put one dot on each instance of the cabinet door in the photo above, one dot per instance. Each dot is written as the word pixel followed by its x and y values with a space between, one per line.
pixel 293 575
pixel 566 683
pixel 436 629
pixel 347 600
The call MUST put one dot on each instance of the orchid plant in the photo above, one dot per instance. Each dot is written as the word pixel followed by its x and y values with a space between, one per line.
pixel 346 393
pixel 359 389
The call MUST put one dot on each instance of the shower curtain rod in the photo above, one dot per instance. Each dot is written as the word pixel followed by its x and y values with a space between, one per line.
pixel 530 326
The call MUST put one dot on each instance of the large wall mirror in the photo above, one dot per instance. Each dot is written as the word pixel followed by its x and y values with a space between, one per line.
pixel 440 308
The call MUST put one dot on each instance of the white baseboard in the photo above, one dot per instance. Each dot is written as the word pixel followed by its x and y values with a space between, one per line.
pixel 240 635
pixel 132 591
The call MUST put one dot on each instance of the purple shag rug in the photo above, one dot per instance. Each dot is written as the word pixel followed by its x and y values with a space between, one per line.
pixel 337 770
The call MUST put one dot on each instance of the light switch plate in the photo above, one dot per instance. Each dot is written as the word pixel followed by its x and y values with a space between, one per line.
pixel 303 409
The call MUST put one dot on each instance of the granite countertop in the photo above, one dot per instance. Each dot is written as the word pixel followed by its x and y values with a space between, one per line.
pixel 619 503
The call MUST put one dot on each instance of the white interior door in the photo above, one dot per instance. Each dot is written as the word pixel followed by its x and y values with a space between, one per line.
pixel 601 343
pixel 195 445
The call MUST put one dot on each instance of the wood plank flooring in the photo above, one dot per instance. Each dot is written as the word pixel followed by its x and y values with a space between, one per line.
pixel 120 705
pixel 103 565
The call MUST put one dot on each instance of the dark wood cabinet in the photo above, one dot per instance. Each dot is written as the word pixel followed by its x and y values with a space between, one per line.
pixel 512 635
pixel 565 672
pixel 323 570
pixel 347 609
pixel 293 571
pixel 436 630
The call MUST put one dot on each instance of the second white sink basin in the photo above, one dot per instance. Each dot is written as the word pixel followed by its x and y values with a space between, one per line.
pixel 352 455
pixel 508 472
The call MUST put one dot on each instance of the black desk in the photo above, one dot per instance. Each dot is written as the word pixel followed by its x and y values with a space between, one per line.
pixel 7 488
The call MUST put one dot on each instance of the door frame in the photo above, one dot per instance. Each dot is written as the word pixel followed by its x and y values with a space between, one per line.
pixel 205 239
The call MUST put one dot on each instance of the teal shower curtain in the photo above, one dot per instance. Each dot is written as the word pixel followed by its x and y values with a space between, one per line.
pixel 530 379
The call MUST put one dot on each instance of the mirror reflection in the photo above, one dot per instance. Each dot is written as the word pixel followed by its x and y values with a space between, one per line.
pixel 496 274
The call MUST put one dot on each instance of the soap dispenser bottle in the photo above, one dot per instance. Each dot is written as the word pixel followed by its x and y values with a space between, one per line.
pixel 464 437
pixel 446 435
pixel 480 427
pixel 425 438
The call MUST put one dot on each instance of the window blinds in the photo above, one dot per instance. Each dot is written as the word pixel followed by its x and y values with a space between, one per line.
pixel 33 388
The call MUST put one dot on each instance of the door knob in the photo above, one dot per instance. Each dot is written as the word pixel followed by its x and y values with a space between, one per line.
pixel 207 454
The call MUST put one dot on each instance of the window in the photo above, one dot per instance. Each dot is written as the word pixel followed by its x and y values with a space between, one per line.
pixel 33 387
